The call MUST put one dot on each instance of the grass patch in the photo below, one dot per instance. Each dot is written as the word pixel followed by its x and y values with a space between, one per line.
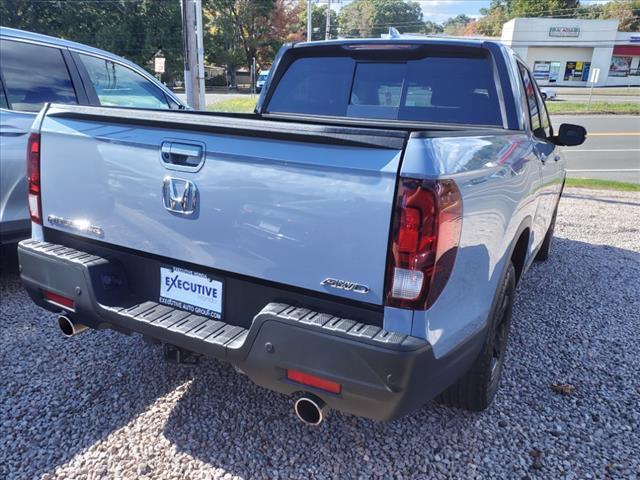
pixel 557 107
pixel 237 105
pixel 602 184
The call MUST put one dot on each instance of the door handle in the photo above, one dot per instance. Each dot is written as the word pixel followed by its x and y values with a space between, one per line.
pixel 182 156
pixel 543 158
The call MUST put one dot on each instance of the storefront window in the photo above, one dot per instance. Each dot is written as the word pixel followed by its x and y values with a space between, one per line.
pixel 577 71
pixel 546 71
pixel 541 70
pixel 620 66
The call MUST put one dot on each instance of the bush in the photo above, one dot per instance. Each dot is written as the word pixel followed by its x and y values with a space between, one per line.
pixel 217 81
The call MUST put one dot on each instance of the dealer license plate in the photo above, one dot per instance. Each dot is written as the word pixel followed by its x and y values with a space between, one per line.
pixel 191 291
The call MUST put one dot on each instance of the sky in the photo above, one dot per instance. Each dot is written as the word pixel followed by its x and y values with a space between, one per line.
pixel 440 10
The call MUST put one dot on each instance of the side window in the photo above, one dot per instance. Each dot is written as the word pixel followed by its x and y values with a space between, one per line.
pixel 120 86
pixel 532 103
pixel 544 115
pixel 3 98
pixel 30 84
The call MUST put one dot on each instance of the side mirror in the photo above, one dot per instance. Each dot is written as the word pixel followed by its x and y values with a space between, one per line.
pixel 570 135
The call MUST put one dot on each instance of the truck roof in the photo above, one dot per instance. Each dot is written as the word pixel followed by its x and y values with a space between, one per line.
pixel 406 39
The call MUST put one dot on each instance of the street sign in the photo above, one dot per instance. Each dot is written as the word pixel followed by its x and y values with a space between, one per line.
pixel 158 64
pixel 594 75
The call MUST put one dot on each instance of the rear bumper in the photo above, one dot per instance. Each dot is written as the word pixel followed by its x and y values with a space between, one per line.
pixel 383 375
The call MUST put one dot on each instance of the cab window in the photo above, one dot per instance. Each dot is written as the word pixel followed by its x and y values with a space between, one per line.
pixel 532 102
pixel 119 86
pixel 30 85
pixel 544 114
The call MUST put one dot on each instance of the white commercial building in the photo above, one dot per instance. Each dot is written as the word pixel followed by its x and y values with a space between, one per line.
pixel 564 51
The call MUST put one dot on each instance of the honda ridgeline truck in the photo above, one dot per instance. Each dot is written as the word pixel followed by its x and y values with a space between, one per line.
pixel 355 242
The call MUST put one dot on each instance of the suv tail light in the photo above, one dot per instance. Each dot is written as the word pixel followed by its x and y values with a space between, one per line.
pixel 424 241
pixel 33 177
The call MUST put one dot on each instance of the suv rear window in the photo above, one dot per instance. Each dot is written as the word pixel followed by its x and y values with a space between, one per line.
pixel 435 88
pixel 33 75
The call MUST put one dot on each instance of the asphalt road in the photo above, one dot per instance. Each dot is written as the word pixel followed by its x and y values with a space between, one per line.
pixel 612 149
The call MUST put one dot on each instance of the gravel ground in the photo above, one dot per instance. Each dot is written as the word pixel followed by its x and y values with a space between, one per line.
pixel 104 405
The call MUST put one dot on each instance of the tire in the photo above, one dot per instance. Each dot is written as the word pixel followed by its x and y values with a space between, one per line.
pixel 545 248
pixel 544 96
pixel 476 389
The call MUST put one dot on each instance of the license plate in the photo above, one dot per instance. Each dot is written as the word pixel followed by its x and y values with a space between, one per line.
pixel 191 291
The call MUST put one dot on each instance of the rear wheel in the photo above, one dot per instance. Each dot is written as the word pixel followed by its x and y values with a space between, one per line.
pixel 477 388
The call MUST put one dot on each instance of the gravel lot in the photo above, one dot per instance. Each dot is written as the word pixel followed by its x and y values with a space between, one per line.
pixel 104 405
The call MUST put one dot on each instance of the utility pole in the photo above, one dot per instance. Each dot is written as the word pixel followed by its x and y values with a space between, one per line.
pixel 193 53
pixel 308 20
pixel 327 30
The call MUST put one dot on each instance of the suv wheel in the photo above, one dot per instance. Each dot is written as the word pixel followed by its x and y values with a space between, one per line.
pixel 477 388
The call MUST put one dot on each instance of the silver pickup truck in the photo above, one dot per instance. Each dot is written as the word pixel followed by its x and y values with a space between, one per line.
pixel 356 242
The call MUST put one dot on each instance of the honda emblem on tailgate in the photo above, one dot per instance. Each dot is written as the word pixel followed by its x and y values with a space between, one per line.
pixel 180 196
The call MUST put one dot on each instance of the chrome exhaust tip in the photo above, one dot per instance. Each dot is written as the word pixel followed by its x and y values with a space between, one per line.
pixel 70 328
pixel 310 410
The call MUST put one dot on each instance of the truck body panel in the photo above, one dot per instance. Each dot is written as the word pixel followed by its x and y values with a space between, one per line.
pixel 291 212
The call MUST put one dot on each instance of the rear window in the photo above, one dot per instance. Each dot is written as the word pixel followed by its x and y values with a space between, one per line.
pixel 437 88
pixel 33 75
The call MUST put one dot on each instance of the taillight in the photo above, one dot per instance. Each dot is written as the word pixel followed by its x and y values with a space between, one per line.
pixel 424 242
pixel 313 381
pixel 58 300
pixel 33 177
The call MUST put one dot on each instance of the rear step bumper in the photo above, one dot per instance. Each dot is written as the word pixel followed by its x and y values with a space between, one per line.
pixel 383 375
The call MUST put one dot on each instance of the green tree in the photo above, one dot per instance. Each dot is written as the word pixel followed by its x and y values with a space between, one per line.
pixel 371 18
pixel 541 8
pixel 318 21
pixel 493 18
pixel 455 25
pixel 628 12
pixel 432 28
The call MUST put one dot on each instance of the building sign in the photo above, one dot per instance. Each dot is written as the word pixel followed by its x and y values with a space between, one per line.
pixel 564 31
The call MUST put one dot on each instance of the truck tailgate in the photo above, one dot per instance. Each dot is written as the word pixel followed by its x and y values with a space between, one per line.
pixel 279 201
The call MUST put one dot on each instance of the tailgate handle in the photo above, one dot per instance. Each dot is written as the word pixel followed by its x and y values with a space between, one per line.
pixel 182 156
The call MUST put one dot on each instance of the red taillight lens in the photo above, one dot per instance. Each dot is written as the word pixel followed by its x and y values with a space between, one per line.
pixel 33 177
pixel 425 238
pixel 313 381
pixel 58 299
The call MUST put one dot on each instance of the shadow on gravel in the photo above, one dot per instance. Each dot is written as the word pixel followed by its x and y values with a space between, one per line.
pixel 60 396
pixel 573 319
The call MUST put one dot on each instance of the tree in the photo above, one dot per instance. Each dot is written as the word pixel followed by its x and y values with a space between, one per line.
pixel 456 25
pixel 628 12
pixel 432 28
pixel 318 21
pixel 242 30
pixel 371 18
pixel 494 17
pixel 541 8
